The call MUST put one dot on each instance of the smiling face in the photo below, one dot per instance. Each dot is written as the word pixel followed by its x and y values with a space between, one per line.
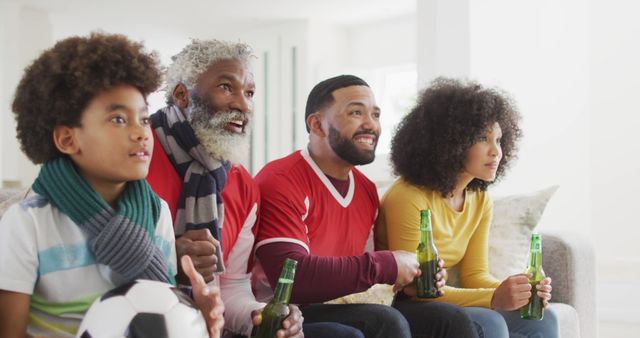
pixel 221 108
pixel 113 143
pixel 483 157
pixel 352 123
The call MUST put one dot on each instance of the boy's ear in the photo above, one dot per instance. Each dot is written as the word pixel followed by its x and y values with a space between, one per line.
pixel 314 121
pixel 64 139
pixel 180 96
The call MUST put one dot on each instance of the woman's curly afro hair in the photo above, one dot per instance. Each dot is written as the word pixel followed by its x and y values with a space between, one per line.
pixel 61 82
pixel 431 143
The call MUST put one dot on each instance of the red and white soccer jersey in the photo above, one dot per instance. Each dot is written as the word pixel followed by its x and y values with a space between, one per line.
pixel 301 206
pixel 241 198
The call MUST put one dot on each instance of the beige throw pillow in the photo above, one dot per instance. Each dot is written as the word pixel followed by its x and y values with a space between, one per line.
pixel 514 219
pixel 377 294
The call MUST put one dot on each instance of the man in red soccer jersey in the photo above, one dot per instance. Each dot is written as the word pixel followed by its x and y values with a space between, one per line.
pixel 318 209
pixel 200 136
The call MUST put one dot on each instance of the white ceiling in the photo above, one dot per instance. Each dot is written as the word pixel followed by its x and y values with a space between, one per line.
pixel 340 11
pixel 226 19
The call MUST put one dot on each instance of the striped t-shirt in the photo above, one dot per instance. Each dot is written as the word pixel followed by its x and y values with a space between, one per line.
pixel 43 253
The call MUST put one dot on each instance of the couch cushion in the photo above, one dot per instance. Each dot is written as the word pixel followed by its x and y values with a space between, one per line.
pixel 514 219
pixel 8 197
pixel 567 320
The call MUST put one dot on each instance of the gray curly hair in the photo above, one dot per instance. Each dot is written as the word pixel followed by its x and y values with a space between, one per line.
pixel 196 57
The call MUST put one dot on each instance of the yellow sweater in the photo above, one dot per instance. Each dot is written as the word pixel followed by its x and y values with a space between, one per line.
pixel 460 237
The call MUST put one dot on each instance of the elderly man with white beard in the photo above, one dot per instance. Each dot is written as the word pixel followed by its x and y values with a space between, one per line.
pixel 200 136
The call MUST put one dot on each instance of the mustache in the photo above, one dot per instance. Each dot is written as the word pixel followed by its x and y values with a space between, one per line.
pixel 203 111
pixel 232 115
pixel 217 119
pixel 366 132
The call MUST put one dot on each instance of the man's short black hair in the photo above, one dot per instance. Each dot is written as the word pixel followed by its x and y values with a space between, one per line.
pixel 321 96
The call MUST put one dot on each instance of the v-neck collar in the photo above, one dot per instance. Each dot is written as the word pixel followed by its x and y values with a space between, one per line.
pixel 343 201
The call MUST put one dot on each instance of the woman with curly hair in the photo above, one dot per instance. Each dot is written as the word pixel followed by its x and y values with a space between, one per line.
pixel 458 140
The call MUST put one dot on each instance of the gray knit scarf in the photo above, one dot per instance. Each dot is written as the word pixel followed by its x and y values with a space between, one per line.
pixel 200 205
pixel 121 239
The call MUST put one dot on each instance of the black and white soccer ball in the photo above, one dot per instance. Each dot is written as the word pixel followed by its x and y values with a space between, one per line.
pixel 143 309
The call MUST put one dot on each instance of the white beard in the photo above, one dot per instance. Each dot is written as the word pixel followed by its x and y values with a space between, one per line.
pixel 223 145
pixel 220 143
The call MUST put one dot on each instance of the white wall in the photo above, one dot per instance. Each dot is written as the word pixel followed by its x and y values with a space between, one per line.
pixel 26 33
pixel 539 53
pixel 615 84
pixel 382 43
pixel 442 41
pixel 614 56
pixel 572 66
pixel 280 71
pixel 374 50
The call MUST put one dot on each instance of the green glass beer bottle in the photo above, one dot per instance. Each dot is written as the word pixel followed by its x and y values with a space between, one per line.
pixel 427 257
pixel 278 308
pixel 534 309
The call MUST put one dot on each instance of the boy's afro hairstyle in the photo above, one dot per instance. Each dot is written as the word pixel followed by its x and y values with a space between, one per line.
pixel 61 82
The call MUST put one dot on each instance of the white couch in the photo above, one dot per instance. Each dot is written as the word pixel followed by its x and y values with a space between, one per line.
pixel 567 257
pixel 570 260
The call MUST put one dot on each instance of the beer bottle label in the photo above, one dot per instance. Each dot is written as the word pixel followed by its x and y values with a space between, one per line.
pixel 536 247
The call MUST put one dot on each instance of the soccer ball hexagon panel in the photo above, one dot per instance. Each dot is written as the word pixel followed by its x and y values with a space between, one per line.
pixel 143 309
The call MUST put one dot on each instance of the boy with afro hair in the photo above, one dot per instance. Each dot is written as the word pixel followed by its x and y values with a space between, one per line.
pixel 92 222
